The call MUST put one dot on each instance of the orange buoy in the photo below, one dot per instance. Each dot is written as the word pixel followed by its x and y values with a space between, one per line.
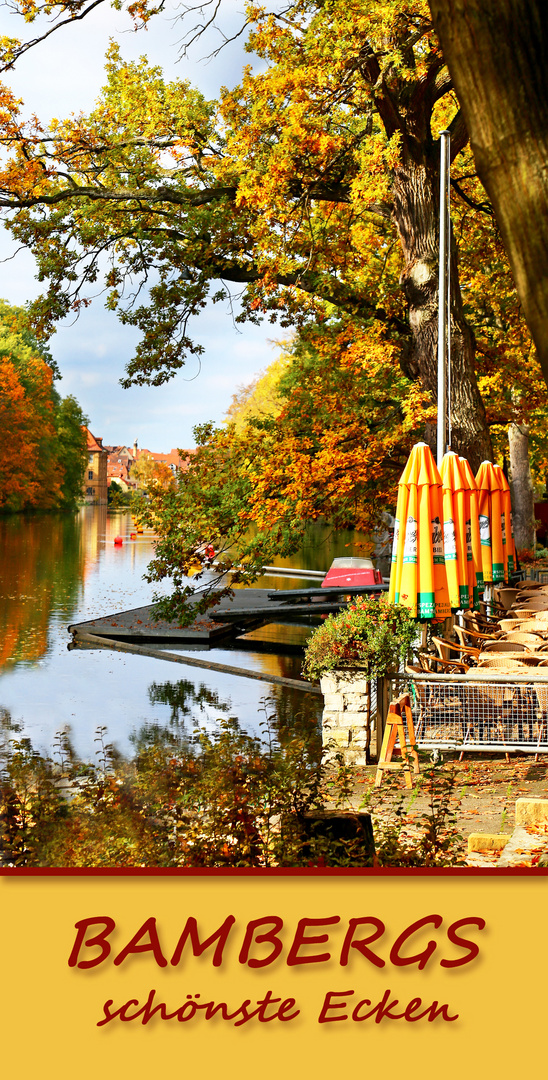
pixel 118 540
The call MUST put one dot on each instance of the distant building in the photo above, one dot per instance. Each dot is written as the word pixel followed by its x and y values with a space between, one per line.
pixel 119 462
pixel 173 458
pixel 121 458
pixel 95 478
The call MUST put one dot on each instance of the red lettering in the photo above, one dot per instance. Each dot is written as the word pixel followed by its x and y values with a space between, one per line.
pixel 198 947
pixel 436 1010
pixel 382 1009
pixel 463 943
pixel 271 937
pixel 301 939
pixel 328 1006
pixel 98 939
pixel 152 945
pixel 421 958
pixel 286 1005
pixel 261 1010
pixel 411 1008
pixel 211 1009
pixel 362 943
pixel 146 1011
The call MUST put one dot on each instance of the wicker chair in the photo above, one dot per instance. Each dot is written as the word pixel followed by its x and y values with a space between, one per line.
pixel 445 648
pixel 504 598
pixel 503 645
pixel 532 641
pixel 470 637
pixel 507 625
pixel 431 662
pixel 481 624
pixel 502 664
pixel 530 626
pixel 436 708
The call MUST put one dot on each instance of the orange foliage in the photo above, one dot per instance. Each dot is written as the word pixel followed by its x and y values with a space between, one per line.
pixel 30 475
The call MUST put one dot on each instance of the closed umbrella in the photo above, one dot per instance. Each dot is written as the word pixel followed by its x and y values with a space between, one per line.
pixel 508 546
pixel 490 516
pixel 418 579
pixel 456 538
pixel 473 540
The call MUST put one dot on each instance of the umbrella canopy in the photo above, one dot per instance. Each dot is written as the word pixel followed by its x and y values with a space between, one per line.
pixel 508 546
pixel 418 579
pixel 491 525
pixel 473 540
pixel 456 538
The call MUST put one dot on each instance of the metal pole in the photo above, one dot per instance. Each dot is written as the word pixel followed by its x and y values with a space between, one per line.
pixel 448 234
pixel 442 295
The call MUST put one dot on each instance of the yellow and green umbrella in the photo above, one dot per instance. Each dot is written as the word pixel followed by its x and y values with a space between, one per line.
pixel 473 540
pixel 418 579
pixel 456 537
pixel 508 546
pixel 490 517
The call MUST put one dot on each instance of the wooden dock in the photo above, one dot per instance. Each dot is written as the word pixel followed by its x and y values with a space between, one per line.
pixel 136 630
pixel 247 610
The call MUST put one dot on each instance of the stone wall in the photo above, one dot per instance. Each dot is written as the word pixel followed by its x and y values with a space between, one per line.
pixel 346 715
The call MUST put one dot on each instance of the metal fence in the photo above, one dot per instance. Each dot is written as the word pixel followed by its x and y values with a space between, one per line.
pixel 480 712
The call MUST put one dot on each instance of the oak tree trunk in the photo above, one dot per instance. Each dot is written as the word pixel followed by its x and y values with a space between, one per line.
pixel 497 53
pixel 521 487
pixel 416 214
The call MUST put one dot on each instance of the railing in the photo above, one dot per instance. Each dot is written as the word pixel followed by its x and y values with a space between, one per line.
pixel 475 711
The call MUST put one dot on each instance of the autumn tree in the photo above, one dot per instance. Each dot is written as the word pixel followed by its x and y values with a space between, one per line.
pixel 497 51
pixel 300 186
pixel 327 440
pixel 510 377
pixel 42 448
pixel 149 473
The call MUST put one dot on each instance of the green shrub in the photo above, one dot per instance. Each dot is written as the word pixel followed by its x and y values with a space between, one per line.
pixel 368 633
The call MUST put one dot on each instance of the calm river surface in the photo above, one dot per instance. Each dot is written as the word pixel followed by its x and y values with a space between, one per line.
pixel 59 569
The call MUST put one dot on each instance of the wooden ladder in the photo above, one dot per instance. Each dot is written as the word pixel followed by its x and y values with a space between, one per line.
pixel 395 729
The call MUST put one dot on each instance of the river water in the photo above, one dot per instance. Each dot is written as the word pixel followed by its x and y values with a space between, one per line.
pixel 59 569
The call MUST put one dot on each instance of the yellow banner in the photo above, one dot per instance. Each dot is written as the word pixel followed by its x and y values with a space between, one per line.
pixel 274 975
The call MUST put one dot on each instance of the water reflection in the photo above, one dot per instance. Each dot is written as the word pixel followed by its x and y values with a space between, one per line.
pixel 185 698
pixel 281 713
pixel 41 569
pixel 56 569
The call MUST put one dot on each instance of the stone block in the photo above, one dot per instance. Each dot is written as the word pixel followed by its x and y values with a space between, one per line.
pixel 340 737
pixel 352 686
pixel 359 738
pixel 328 684
pixel 354 719
pixel 336 719
pixel 333 702
pixel 531 811
pixel 487 841
pixel 354 701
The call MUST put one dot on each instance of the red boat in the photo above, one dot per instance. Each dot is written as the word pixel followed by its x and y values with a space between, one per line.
pixel 348 571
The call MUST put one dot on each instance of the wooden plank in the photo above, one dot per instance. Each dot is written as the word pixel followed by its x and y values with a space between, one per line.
pixel 286 595
pixel 162 654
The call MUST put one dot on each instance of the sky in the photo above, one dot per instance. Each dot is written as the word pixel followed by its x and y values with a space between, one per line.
pixel 64 76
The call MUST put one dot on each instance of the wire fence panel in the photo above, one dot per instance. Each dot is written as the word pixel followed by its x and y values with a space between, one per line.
pixel 461 713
